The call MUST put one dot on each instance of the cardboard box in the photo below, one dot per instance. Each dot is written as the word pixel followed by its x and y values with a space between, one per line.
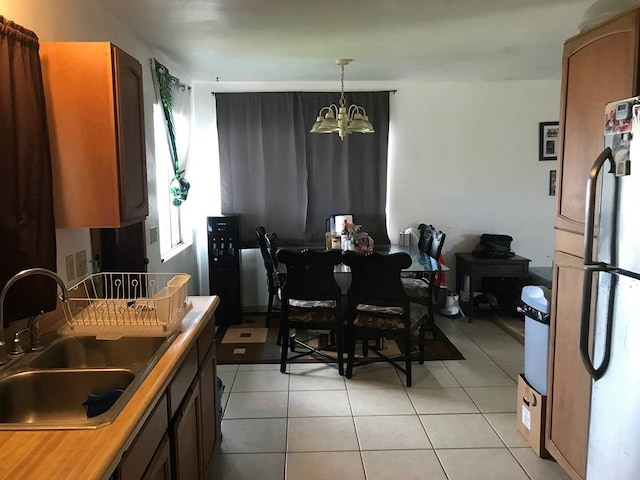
pixel 531 416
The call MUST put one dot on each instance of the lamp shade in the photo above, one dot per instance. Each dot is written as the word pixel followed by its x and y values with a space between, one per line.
pixel 342 120
pixel 602 10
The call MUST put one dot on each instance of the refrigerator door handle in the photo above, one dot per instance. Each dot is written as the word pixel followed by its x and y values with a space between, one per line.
pixel 590 266
pixel 590 205
pixel 595 372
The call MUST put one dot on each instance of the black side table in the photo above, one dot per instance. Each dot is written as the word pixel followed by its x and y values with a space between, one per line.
pixel 475 267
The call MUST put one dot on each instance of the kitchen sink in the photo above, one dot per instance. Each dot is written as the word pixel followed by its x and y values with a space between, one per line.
pixel 48 389
pixel 56 397
pixel 89 352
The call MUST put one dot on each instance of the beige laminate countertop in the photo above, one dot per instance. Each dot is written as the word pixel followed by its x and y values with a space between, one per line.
pixel 94 454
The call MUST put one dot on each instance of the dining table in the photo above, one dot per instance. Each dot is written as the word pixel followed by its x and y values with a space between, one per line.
pixel 420 261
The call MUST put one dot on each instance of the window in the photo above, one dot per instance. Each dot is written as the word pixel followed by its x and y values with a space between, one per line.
pixel 171 224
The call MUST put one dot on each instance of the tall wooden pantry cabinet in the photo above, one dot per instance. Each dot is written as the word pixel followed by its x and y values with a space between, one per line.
pixel 599 65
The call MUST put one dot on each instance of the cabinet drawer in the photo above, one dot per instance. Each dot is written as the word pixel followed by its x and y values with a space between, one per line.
pixel 501 269
pixel 141 451
pixel 182 380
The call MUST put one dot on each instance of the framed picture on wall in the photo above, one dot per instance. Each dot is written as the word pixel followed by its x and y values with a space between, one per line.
pixel 548 148
pixel 552 182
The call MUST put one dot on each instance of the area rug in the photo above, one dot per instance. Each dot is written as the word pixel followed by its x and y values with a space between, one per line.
pixel 251 343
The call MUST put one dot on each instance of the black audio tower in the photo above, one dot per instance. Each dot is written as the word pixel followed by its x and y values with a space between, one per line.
pixel 224 267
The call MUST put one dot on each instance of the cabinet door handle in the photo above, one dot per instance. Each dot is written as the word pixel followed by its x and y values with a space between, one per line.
pixel 528 403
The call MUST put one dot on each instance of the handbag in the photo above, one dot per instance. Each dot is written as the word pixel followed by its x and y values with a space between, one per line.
pixel 494 246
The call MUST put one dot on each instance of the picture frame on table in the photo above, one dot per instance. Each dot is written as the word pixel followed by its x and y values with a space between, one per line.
pixel 548 146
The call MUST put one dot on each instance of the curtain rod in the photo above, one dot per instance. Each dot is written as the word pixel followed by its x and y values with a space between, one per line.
pixel 309 91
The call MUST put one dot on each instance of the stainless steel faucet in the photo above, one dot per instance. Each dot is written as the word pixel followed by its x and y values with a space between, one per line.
pixel 32 327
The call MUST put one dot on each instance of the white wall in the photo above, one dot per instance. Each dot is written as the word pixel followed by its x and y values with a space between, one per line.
pixel 87 20
pixel 462 156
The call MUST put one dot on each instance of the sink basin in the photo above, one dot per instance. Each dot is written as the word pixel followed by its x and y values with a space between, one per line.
pixel 55 397
pixel 88 352
pixel 46 390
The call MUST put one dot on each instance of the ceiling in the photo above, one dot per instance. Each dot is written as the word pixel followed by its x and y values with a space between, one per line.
pixel 298 40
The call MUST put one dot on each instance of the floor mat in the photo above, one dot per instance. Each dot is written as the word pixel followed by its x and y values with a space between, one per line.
pixel 241 344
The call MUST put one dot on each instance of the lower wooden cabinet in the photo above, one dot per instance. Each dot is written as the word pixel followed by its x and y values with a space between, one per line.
pixel 208 408
pixel 179 438
pixel 141 452
pixel 569 391
pixel 185 436
pixel 160 466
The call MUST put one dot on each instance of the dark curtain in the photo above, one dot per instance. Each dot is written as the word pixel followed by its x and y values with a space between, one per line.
pixel 27 230
pixel 262 171
pixel 274 173
pixel 348 176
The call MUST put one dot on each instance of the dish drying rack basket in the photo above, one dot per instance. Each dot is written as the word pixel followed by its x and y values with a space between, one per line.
pixel 117 303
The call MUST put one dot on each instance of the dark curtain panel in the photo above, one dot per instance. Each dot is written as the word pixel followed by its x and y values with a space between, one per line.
pixel 27 230
pixel 274 173
pixel 262 168
pixel 348 176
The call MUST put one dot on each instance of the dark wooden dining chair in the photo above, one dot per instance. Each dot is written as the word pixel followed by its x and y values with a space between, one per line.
pixel 379 307
pixel 312 300
pixel 273 280
pixel 421 288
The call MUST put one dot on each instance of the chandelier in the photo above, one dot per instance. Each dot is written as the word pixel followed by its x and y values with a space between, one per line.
pixel 340 119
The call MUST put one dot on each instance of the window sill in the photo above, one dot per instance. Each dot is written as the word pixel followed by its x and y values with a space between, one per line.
pixel 174 252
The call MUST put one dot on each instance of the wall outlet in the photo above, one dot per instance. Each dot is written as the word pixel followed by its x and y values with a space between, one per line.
pixel 153 234
pixel 71 271
pixel 81 263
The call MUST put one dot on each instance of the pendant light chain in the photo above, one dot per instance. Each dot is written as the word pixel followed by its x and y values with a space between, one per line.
pixel 342 101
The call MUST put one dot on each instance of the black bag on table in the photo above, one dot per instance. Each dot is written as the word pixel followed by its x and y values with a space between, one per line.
pixel 494 246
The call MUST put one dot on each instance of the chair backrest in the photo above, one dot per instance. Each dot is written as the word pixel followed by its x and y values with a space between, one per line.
pixel 310 274
pixel 264 251
pixel 424 241
pixel 431 240
pixel 271 240
pixel 267 258
pixel 375 279
pixel 437 242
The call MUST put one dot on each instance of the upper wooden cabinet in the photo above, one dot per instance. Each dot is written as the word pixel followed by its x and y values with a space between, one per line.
pixel 599 66
pixel 95 113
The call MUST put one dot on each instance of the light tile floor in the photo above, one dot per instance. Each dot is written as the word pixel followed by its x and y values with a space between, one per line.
pixel 457 422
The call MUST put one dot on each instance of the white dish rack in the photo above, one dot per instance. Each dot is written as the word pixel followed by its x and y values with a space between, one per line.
pixel 113 304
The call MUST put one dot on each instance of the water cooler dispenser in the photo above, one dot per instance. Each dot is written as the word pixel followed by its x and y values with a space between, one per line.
pixel 224 267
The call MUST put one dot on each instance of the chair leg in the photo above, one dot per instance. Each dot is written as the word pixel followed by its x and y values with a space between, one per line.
pixel 421 332
pixel 431 321
pixel 280 334
pixel 284 349
pixel 267 321
pixel 350 341
pixel 407 357
pixel 340 348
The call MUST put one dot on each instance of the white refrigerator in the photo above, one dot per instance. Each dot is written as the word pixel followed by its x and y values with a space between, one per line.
pixel 610 349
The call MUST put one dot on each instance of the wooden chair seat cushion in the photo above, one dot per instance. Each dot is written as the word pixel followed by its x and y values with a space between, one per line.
pixel 388 318
pixel 312 303
pixel 415 287
pixel 305 315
